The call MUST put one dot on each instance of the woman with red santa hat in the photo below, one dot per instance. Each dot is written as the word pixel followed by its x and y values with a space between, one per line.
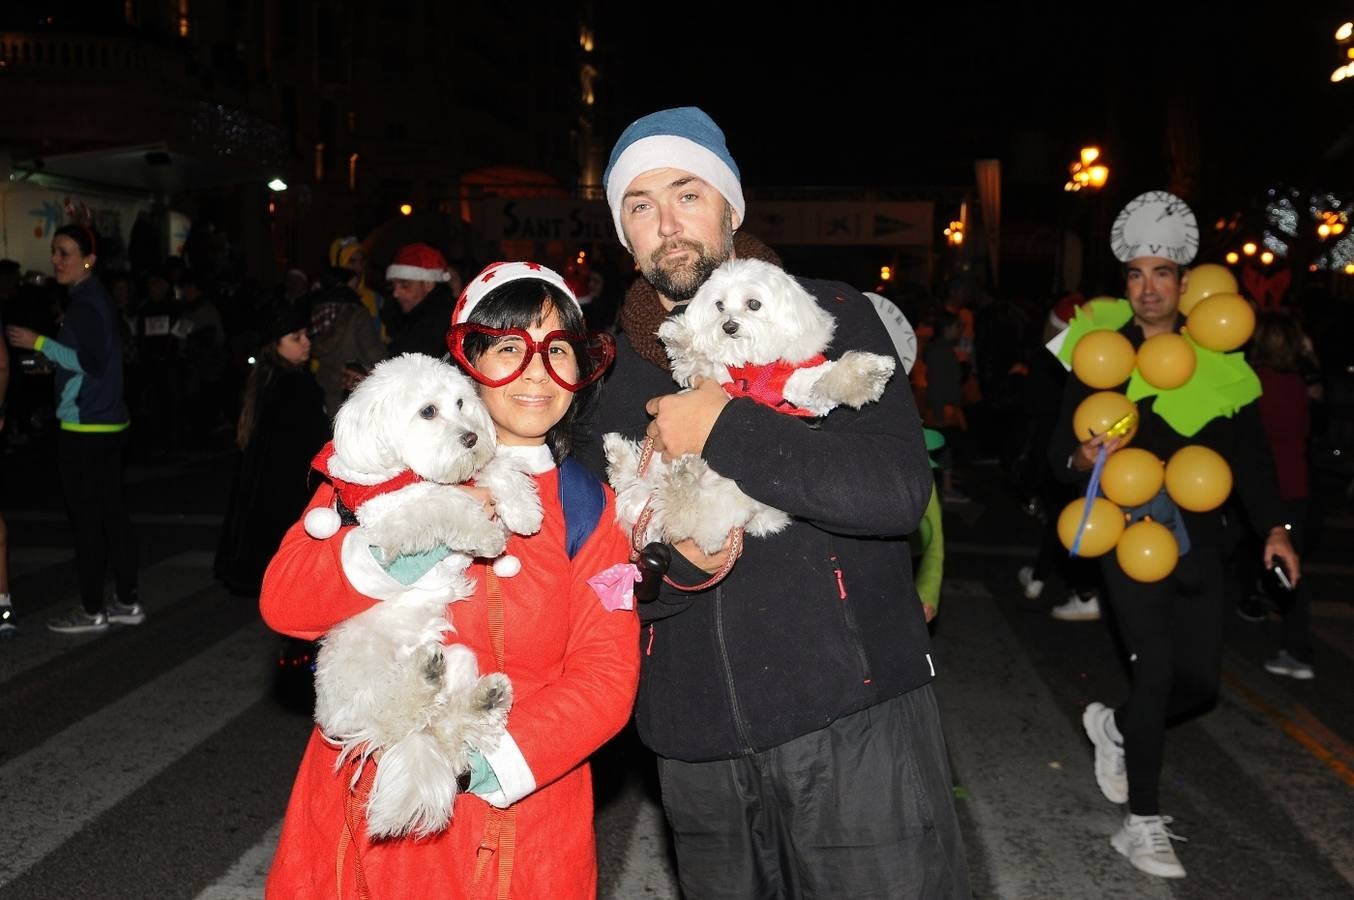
pixel 561 628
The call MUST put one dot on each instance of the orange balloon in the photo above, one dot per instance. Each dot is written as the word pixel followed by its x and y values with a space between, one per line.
pixel 1147 551
pixel 1101 411
pixel 1221 322
pixel 1132 476
pixel 1166 361
pixel 1205 281
pixel 1103 527
pixel 1197 478
pixel 1103 359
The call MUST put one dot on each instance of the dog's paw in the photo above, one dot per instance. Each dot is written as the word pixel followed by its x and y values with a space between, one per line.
pixel 515 498
pixel 854 380
pixel 492 697
pixel 676 336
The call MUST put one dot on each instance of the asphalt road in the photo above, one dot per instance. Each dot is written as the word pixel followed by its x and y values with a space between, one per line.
pixel 155 761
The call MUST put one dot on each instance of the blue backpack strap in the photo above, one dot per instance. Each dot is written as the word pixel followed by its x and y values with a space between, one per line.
pixel 582 497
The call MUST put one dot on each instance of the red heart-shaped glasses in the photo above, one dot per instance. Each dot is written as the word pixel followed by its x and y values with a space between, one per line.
pixel 511 350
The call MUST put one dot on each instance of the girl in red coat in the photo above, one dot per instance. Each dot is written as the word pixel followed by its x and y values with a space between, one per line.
pixel 524 826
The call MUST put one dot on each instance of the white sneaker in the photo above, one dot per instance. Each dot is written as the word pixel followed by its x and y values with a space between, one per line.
pixel 124 613
pixel 1033 586
pixel 1146 841
pixel 1110 771
pixel 7 626
pixel 1288 664
pixel 1077 609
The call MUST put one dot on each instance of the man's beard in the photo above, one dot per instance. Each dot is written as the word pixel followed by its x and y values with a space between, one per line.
pixel 680 284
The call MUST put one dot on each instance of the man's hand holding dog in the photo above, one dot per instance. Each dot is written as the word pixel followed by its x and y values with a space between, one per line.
pixel 707 563
pixel 682 422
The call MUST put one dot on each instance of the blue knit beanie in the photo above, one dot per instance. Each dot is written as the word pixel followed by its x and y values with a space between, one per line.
pixel 682 138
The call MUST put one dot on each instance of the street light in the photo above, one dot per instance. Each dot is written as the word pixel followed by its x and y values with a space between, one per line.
pixel 1342 37
pixel 277 185
pixel 1087 171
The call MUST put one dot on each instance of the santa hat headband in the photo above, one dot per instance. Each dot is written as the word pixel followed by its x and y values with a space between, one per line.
pixel 418 262
pixel 495 275
pixel 683 138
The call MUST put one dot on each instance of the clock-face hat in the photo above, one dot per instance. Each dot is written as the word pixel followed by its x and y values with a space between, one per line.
pixel 1156 224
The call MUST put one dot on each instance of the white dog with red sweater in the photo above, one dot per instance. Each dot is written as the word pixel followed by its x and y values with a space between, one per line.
pixel 385 681
pixel 760 334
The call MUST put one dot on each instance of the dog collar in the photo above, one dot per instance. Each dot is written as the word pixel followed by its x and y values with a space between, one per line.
pixel 352 494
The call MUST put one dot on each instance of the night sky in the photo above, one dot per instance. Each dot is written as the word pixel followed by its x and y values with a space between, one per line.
pixel 911 97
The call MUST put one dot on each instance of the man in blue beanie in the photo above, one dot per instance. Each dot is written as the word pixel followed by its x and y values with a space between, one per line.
pixel 799 742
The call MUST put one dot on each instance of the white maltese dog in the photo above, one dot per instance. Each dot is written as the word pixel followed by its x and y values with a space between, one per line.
pixel 386 684
pixel 755 330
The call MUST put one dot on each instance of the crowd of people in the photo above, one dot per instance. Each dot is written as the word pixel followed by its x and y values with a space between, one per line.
pixel 773 784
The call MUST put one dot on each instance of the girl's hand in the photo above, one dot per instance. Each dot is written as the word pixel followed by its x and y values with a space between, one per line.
pixel 485 499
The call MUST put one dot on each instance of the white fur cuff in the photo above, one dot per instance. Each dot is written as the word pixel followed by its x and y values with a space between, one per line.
pixel 367 576
pixel 515 780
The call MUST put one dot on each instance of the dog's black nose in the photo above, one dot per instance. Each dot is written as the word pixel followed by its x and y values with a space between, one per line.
pixel 730 326
pixel 469 439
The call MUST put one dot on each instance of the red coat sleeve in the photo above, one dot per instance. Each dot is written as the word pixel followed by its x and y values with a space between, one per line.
pixel 304 590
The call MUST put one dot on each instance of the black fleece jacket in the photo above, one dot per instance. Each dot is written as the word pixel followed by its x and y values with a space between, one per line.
pixel 814 623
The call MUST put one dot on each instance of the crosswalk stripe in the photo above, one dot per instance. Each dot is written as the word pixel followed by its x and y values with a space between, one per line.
pixel 246 879
pixel 160 586
pixel 25 560
pixel 49 516
pixel 201 695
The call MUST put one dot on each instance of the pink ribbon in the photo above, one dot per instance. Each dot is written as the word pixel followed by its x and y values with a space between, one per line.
pixel 615 586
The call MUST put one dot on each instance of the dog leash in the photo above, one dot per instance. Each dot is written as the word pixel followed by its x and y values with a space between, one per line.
pixel 350 833
pixel 637 541
pixel 500 825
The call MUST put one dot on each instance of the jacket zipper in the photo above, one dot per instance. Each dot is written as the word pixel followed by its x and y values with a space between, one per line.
pixel 734 708
pixel 849 617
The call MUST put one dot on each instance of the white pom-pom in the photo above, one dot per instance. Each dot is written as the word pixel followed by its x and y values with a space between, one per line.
pixel 322 522
pixel 507 565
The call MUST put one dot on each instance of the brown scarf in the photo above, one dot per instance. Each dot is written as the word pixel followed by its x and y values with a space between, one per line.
pixel 642 312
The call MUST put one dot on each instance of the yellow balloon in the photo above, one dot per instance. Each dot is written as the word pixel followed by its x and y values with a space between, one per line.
pixel 1103 527
pixel 1103 359
pixel 1101 411
pixel 1197 478
pixel 1221 322
pixel 1147 551
pixel 1205 281
pixel 1166 361
pixel 1132 476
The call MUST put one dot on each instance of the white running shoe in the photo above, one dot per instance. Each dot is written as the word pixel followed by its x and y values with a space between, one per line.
pixel 77 621
pixel 1077 609
pixel 1146 841
pixel 1033 586
pixel 124 613
pixel 1110 772
pixel 1288 664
